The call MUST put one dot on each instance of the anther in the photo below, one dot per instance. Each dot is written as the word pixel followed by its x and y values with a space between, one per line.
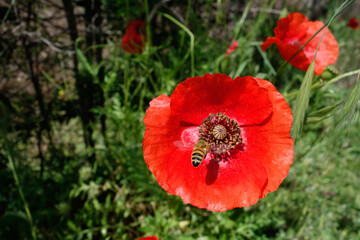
pixel 221 133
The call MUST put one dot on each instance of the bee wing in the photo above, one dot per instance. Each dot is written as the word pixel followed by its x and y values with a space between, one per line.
pixel 183 146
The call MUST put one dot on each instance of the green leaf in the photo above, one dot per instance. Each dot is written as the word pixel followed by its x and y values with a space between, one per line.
pixel 83 60
pixel 302 101
pixel 324 111
pixel 73 226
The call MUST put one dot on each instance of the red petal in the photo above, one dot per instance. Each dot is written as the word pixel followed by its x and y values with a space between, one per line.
pixel 134 38
pixel 274 135
pixel 291 28
pixel 135 27
pixel 287 51
pixel 149 238
pixel 268 42
pixel 328 51
pixel 157 144
pixel 216 186
pixel 134 45
pixel 195 98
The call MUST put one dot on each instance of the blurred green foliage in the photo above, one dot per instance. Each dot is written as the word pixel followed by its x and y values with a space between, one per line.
pixel 116 196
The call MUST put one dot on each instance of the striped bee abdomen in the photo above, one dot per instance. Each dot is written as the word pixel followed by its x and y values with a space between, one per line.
pixel 199 152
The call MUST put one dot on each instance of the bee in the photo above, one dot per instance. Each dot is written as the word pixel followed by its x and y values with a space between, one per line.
pixel 199 152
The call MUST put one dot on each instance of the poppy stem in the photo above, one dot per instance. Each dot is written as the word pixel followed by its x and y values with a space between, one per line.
pixel 148 31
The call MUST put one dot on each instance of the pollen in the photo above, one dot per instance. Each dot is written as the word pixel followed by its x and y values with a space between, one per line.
pixel 221 133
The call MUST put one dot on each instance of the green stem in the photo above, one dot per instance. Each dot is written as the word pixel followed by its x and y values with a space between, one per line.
pixel 324 85
pixel 148 32
pixel 191 35
pixel 186 22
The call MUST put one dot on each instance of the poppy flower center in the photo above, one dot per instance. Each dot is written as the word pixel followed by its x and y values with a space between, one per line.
pixel 221 133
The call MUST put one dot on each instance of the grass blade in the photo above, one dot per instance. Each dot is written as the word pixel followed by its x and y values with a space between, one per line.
pixel 302 101
pixel 266 60
pixel 240 23
pixel 348 109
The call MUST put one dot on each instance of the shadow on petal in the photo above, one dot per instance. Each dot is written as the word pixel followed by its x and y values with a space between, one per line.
pixel 212 173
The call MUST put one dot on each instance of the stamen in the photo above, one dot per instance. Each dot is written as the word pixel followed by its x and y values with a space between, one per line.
pixel 221 133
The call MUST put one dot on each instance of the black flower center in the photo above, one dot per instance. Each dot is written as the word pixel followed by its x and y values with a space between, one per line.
pixel 221 133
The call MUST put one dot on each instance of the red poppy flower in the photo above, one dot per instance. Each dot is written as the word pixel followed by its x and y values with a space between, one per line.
pixel 353 23
pixel 149 238
pixel 245 124
pixel 232 48
pixel 135 37
pixel 293 31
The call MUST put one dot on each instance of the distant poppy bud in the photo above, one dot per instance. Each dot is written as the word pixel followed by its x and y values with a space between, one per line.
pixel 329 72
pixel 219 143
pixel 135 37
pixel 232 48
pixel 292 32
pixel 353 23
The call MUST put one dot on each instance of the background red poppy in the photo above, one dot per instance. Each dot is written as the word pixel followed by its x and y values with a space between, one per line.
pixel 135 37
pixel 232 47
pixel 293 31
pixel 172 125
pixel 353 23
